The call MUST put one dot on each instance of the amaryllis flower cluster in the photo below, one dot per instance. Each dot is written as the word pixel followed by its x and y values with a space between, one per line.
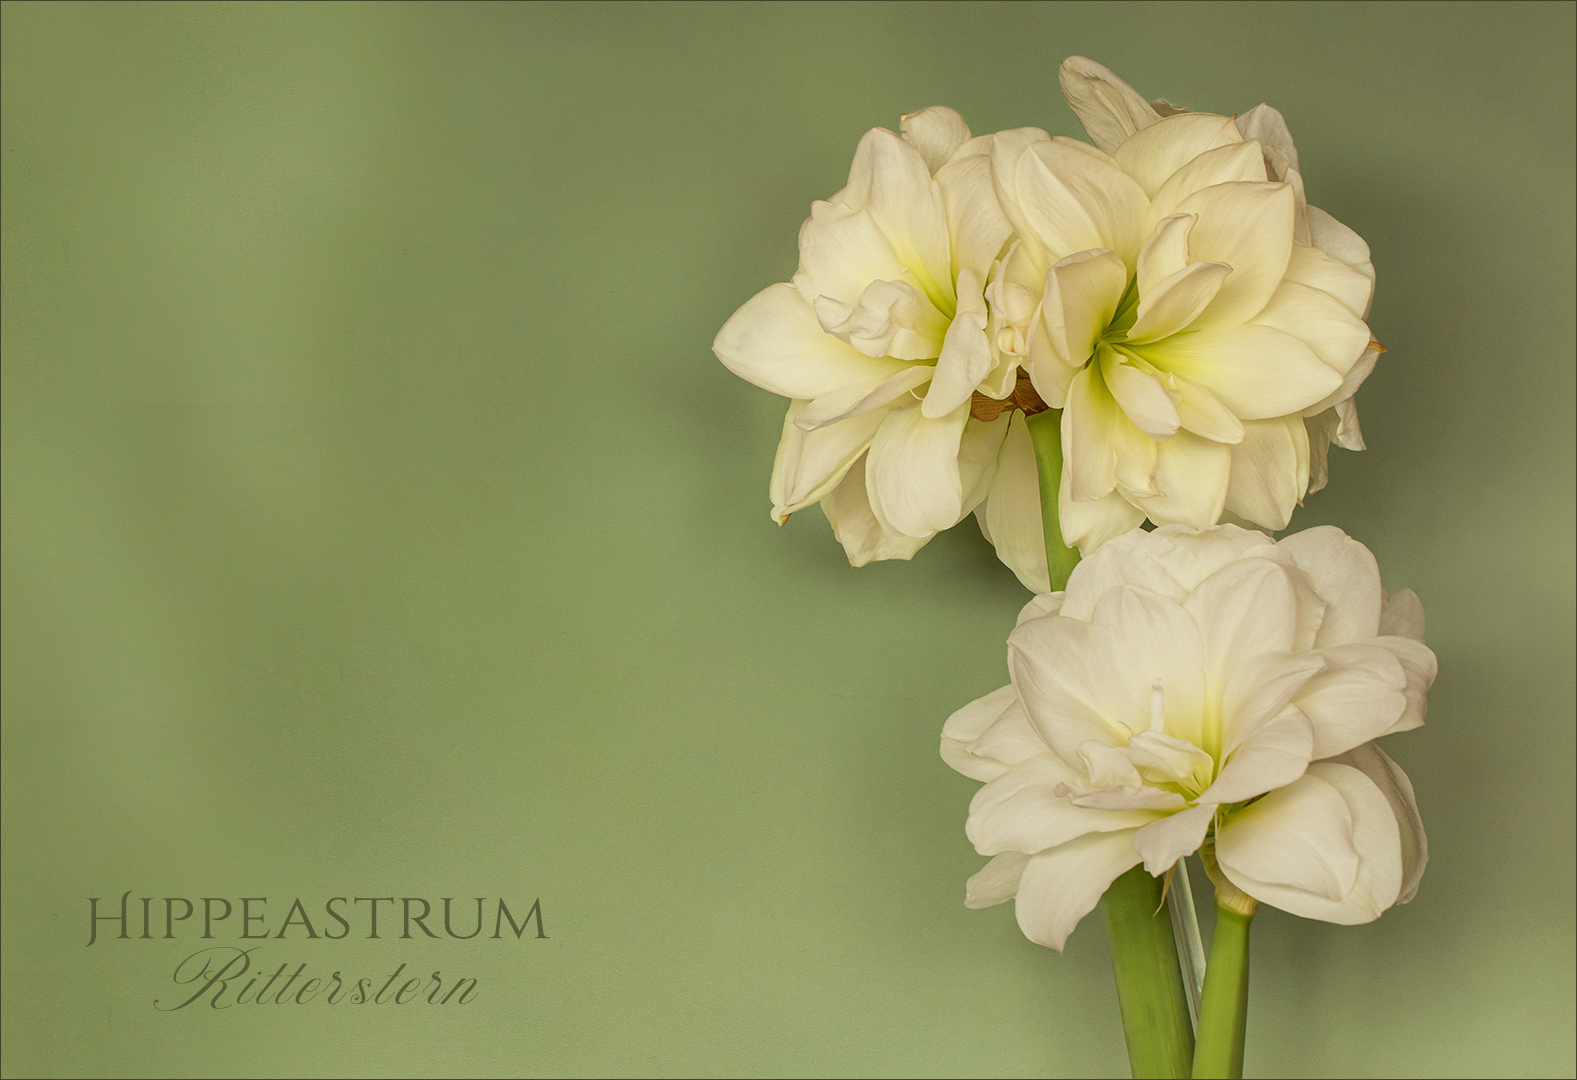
pixel 1202 691
pixel 1201 327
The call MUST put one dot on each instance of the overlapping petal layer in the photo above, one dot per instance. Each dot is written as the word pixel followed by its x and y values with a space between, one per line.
pixel 1202 688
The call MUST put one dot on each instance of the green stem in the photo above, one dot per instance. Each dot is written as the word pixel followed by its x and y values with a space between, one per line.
pixel 1156 1023
pixel 1045 431
pixel 1223 1009
pixel 1149 981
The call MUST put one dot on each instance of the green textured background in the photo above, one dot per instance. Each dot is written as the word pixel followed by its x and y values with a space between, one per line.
pixel 378 522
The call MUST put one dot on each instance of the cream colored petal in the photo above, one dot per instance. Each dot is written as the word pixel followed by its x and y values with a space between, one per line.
pixel 1249 227
pixel 1140 396
pixel 975 219
pixel 1153 155
pixel 1402 615
pixel 1164 842
pixel 863 538
pixel 1318 319
pixel 968 724
pixel 1298 838
pixel 809 464
pixel 775 342
pixel 997 882
pixel 1319 449
pixel 1011 739
pixel 1087 525
pixel 841 251
pixel 1201 412
pixel 1340 242
pixel 1312 267
pixel 1193 474
pixel 1266 126
pixel 1040 606
pixel 1050 661
pixel 1347 578
pixel 912 477
pixel 1270 471
pixel 1061 886
pixel 1351 438
pixel 1021 811
pixel 1176 302
pixel 1228 164
pixel 1147 641
pixel 1386 775
pixel 1010 517
pixel 889 177
pixel 1293 848
pixel 1165 252
pixel 892 318
pixel 935 132
pixel 1092 424
pixel 1273 756
pixel 1255 371
pixel 1109 108
pixel 1072 202
pixel 1246 609
pixel 978 450
pixel 1260 688
pixel 1420 667
pixel 845 404
pixel 1359 696
pixel 1081 296
pixel 1007 149
pixel 1128 799
pixel 966 354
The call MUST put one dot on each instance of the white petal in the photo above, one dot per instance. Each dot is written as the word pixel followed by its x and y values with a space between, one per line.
pixel 1347 578
pixel 856 401
pixel 1020 811
pixel 1152 156
pixel 1201 412
pixel 1273 756
pixel 966 354
pixel 936 132
pixel 1386 775
pixel 1193 474
pixel 775 342
pixel 1061 886
pixel 1420 667
pixel 1249 227
pixel 1244 610
pixel 1340 242
pixel 890 178
pixel 968 724
pixel 1142 399
pixel 977 459
pixel 841 251
pixel 997 881
pixel 1260 688
pixel 1109 108
pixel 1402 615
pixel 974 218
pixel 1174 759
pixel 1011 739
pixel 1270 471
pixel 912 477
pixel 1101 446
pixel 1165 252
pixel 1131 799
pixel 863 538
pixel 1312 267
pixel 1288 849
pixel 1050 663
pixel 1081 296
pixel 1177 301
pixel 1232 163
pixel 1087 525
pixel 1318 319
pixel 1354 378
pixel 809 464
pixel 1070 201
pixel 1266 126
pixel 1360 695
pixel 1164 842
pixel 892 318
pixel 1256 371
pixel 1011 517
pixel 1143 638
pixel 1040 606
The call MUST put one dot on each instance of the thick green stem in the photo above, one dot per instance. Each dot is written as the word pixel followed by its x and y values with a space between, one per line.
pixel 1150 991
pixel 1149 981
pixel 1223 1009
pixel 1045 431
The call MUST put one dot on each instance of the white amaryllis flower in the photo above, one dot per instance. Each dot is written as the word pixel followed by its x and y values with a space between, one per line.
pixel 880 341
pixel 1200 325
pixel 1209 689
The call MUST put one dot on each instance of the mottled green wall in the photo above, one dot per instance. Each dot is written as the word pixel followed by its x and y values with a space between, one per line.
pixel 378 522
